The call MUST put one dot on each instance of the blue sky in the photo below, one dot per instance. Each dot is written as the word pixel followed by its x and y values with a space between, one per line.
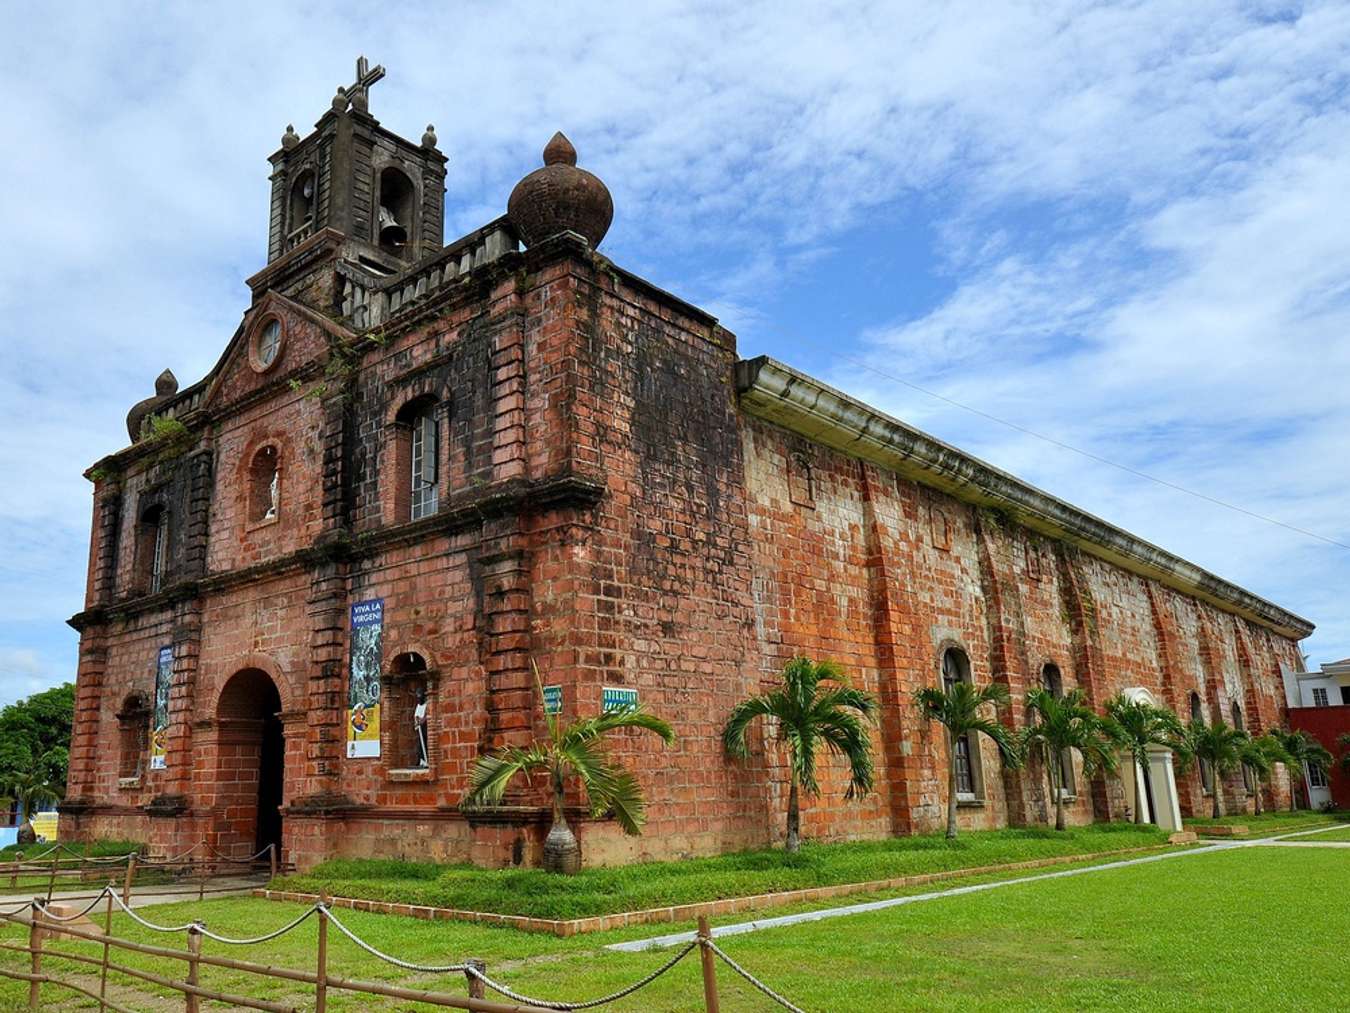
pixel 1124 227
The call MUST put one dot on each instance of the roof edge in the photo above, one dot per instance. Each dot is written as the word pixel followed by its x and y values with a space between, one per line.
pixel 786 397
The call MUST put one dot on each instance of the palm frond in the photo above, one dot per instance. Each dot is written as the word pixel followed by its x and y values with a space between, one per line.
pixel 623 799
pixel 634 716
pixel 768 705
pixel 492 774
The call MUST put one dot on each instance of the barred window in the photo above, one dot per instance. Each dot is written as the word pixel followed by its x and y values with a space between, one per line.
pixel 425 446
pixel 956 668
pixel 152 537
pixel 1317 776
pixel 1320 698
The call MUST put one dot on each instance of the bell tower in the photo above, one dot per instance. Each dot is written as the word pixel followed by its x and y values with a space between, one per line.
pixel 385 194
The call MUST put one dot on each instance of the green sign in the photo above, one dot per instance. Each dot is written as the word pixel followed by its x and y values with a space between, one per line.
pixel 552 699
pixel 616 698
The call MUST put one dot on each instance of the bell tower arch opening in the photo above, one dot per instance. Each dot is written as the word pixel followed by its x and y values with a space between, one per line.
pixel 250 764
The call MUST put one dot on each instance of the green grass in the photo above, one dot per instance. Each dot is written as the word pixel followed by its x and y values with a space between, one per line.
pixel 1269 823
pixel 1329 835
pixel 599 891
pixel 1158 936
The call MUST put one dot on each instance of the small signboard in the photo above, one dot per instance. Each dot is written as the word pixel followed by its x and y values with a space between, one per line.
pixel 552 699
pixel 616 698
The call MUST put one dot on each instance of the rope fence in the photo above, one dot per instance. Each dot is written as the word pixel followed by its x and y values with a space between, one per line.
pixel 44 922
pixel 48 869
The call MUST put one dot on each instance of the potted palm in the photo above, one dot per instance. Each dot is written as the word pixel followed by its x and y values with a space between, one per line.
pixel 574 750
pixel 1062 723
pixel 959 708
pixel 1136 725
pixel 815 707
pixel 29 789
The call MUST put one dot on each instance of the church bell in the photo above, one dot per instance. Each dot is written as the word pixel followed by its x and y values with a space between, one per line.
pixel 391 232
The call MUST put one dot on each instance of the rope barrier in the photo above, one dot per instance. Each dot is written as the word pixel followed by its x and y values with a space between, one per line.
pixel 765 989
pixel 464 967
pixel 406 965
pixel 47 914
pixel 256 939
pixel 590 1003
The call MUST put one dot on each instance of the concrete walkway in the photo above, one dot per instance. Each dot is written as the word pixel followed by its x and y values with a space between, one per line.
pixel 226 886
pixel 678 938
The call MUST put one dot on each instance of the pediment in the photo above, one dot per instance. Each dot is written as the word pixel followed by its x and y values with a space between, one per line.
pixel 277 338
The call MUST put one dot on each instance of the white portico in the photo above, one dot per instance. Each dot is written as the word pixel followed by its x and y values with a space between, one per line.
pixel 1158 782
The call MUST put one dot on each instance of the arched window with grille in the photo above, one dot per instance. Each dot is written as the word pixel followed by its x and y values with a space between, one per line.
pixel 417 453
pixel 956 668
pixel 152 545
pixel 133 736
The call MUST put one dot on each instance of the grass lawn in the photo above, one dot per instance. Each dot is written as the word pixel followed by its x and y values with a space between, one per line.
pixel 1154 936
pixel 1269 823
pixel 1329 835
pixel 11 852
pixel 598 891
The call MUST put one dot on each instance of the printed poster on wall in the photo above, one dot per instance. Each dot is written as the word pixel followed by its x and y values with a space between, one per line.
pixel 159 721
pixel 363 684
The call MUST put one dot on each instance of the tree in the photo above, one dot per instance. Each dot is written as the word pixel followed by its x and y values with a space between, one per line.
pixel 1058 724
pixel 1135 725
pixel 31 789
pixel 1259 755
pixel 958 709
pixel 814 707
pixel 1217 744
pixel 573 750
pixel 1303 751
pixel 1344 743
pixel 35 735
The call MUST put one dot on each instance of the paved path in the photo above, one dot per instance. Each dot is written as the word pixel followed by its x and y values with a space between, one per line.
pixel 227 886
pixel 677 938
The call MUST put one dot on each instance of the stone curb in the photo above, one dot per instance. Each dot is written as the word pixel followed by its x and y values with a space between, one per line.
pixel 683 912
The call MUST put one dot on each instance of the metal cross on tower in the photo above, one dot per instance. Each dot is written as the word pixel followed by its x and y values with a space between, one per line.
pixel 366 75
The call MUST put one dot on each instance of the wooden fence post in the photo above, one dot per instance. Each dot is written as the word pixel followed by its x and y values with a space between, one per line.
pixel 51 880
pixel 477 990
pixel 35 948
pixel 14 875
pixel 126 882
pixel 321 985
pixel 709 965
pixel 272 858
pixel 107 934
pixel 194 1003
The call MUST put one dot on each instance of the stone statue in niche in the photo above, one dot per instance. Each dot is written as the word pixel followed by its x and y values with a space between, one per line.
pixel 272 492
pixel 420 725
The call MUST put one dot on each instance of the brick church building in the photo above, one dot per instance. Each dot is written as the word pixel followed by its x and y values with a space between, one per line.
pixel 318 576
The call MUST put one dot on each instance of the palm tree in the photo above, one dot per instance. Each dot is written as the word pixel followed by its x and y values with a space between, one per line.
pixel 1259 755
pixel 958 709
pixel 1344 743
pixel 1135 725
pixel 1217 744
pixel 815 706
pixel 30 789
pixel 1061 723
pixel 1303 751
pixel 575 750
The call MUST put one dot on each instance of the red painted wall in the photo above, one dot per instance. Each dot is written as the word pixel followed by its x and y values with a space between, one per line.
pixel 1327 724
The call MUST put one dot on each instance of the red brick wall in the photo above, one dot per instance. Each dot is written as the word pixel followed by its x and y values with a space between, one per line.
pixel 607 512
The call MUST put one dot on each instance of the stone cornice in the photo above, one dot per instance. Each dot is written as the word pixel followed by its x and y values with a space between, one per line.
pixel 465 510
pixel 782 395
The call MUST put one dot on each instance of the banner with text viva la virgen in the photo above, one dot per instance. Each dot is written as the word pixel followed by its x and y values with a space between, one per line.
pixel 363 682
pixel 159 718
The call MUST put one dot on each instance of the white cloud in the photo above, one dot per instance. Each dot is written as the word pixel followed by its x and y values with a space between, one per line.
pixel 1138 209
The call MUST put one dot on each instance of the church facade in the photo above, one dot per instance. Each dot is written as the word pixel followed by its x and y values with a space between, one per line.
pixel 321 577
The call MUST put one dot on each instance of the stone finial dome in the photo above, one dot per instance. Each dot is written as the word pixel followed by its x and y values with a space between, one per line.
pixel 560 198
pixel 290 138
pixel 166 386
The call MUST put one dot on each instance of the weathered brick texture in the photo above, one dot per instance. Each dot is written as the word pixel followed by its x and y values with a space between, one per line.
pixel 609 511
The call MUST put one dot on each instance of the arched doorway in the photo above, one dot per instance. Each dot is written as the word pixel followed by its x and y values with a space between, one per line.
pixel 250 764
pixel 1156 779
